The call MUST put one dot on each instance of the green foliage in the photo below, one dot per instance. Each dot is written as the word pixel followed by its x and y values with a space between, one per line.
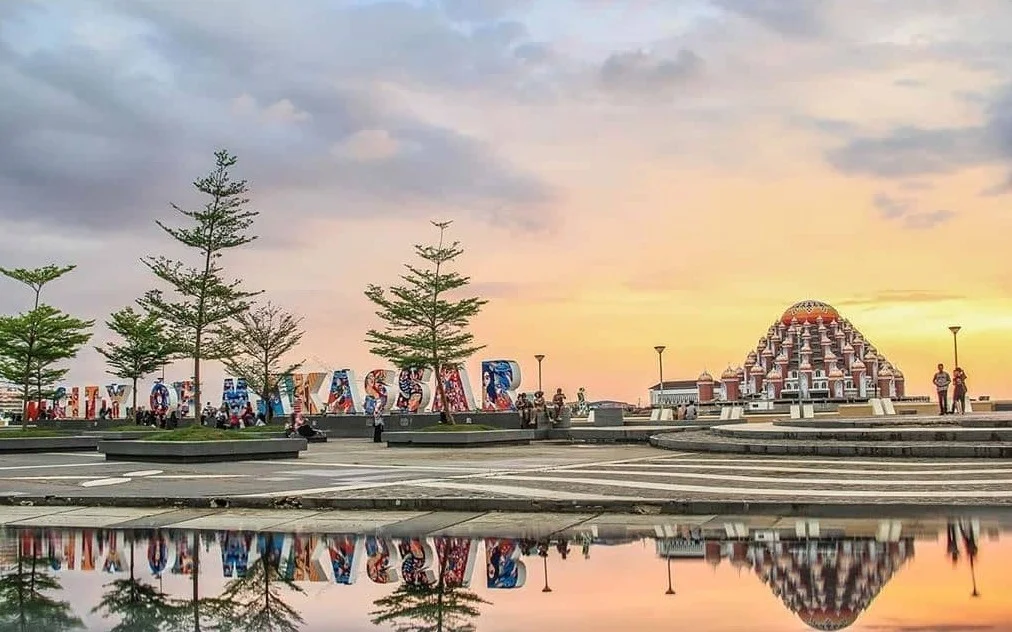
pixel 255 602
pixel 425 326
pixel 459 428
pixel 269 428
pixel 144 349
pixel 198 433
pixel 260 339
pixel 33 433
pixel 36 278
pixel 32 344
pixel 24 604
pixel 140 606
pixel 203 301
pixel 420 608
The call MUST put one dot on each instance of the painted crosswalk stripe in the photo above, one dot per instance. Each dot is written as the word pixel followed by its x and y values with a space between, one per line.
pixel 758 491
pixel 709 476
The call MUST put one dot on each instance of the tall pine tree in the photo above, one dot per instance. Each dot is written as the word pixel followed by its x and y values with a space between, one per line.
pixel 203 300
pixel 33 342
pixel 425 325
pixel 145 346
pixel 262 337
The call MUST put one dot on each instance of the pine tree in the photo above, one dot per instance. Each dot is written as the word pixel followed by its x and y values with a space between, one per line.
pixel 32 343
pixel 205 301
pixel 261 338
pixel 145 347
pixel 425 327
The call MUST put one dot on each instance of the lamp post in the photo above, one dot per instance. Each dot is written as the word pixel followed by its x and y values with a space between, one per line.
pixel 546 589
pixel 660 371
pixel 539 357
pixel 670 590
pixel 955 346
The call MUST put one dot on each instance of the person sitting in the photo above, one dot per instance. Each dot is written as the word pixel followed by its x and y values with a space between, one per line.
pixel 558 402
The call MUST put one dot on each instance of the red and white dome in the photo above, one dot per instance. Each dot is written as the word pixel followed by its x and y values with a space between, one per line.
pixel 809 312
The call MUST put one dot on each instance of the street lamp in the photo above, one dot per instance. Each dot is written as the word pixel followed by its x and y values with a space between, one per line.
pixel 539 357
pixel 546 589
pixel 955 346
pixel 670 590
pixel 660 370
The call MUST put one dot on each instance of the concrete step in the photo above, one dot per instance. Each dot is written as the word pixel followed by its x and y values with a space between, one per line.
pixel 769 431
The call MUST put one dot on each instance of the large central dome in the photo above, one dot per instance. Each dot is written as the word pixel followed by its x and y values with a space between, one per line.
pixel 810 312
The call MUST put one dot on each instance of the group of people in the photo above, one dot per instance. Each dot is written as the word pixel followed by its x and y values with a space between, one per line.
pixel 957 380
pixel 224 418
pixel 532 410
pixel 159 419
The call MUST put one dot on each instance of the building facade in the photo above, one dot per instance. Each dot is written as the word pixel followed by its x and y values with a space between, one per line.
pixel 673 393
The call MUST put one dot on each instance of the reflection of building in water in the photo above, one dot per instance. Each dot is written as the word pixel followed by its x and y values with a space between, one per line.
pixel 828 583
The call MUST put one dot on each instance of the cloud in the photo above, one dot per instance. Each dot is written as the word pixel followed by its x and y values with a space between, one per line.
pixel 894 297
pixel 787 17
pixel 904 211
pixel 103 138
pixel 482 10
pixel 1002 188
pixel 639 71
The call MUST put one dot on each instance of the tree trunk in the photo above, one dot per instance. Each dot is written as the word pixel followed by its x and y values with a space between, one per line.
pixel 441 396
pixel 196 378
pixel 134 408
pixel 196 584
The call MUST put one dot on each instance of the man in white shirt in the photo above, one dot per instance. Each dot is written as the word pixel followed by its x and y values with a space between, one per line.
pixel 941 382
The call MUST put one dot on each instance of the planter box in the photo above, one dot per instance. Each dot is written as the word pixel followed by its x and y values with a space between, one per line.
pixel 463 439
pixel 202 451
pixel 124 435
pixel 47 444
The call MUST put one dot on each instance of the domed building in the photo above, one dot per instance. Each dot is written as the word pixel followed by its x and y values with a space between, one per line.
pixel 828 583
pixel 810 352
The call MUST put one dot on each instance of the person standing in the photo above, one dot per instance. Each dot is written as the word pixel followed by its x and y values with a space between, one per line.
pixel 941 382
pixel 959 390
pixel 377 425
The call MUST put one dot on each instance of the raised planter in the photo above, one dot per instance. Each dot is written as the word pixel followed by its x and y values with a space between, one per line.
pixel 202 451
pixel 47 444
pixel 461 439
pixel 118 435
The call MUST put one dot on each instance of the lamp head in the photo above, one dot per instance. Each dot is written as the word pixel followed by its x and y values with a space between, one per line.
pixel 539 357
pixel 954 329
pixel 660 348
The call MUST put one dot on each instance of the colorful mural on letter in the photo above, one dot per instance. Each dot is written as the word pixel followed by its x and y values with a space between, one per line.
pixel 119 399
pixel 235 395
pixel 343 398
pixel 457 387
pixel 159 399
pixel 184 395
pixel 456 557
pixel 381 560
pixel 417 561
pixel 378 391
pixel 344 552
pixel 505 568
pixel 499 380
pixel 307 386
pixel 90 402
pixel 413 394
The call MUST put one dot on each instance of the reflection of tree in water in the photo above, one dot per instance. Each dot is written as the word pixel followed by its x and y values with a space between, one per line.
pixel 140 606
pixel 23 605
pixel 440 606
pixel 253 602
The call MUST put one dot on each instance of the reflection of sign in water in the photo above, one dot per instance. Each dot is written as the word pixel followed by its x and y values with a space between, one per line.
pixel 381 560
pixel 344 552
pixel 505 568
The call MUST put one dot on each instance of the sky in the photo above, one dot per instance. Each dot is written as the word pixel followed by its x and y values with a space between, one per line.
pixel 621 174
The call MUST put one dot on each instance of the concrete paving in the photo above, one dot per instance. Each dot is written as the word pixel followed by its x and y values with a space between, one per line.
pixel 540 478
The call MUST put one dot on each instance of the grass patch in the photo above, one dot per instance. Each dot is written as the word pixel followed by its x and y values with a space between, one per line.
pixel 131 429
pixel 199 433
pixel 33 433
pixel 458 428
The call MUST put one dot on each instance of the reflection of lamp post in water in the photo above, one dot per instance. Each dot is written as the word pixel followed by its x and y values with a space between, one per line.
pixel 546 589
pixel 539 357
pixel 670 590
pixel 660 370
pixel 973 577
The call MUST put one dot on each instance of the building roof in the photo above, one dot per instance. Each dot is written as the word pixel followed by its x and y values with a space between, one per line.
pixel 670 385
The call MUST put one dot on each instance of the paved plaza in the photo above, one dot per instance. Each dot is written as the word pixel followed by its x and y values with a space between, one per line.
pixel 353 473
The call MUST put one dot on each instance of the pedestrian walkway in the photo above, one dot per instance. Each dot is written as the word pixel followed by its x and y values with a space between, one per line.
pixel 358 474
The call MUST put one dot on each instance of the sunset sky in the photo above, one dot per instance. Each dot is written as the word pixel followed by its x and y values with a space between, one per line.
pixel 622 174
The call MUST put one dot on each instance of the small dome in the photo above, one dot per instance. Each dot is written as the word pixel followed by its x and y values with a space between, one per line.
pixel 871 356
pixel 757 370
pixel 810 312
pixel 739 371
pixel 729 373
pixel 835 372
pixel 705 377
pixel 858 365
pixel 774 374
pixel 898 374
pixel 751 356
pixel 886 372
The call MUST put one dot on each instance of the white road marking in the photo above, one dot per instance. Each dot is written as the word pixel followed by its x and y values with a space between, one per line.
pixel 143 473
pixel 753 491
pixel 47 478
pixel 77 454
pixel 102 482
pixel 36 467
pixel 794 480
pixel 842 460
pixel 325 490
pixel 523 491
pixel 816 470
pixel 186 477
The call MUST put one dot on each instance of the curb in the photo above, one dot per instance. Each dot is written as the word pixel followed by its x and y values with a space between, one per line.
pixel 909 449
pixel 504 505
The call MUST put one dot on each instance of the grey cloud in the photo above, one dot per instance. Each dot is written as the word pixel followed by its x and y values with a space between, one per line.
pixel 638 71
pixel 836 127
pixel 91 140
pixel 787 17
pixel 905 211
pixel 1002 188
pixel 482 10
